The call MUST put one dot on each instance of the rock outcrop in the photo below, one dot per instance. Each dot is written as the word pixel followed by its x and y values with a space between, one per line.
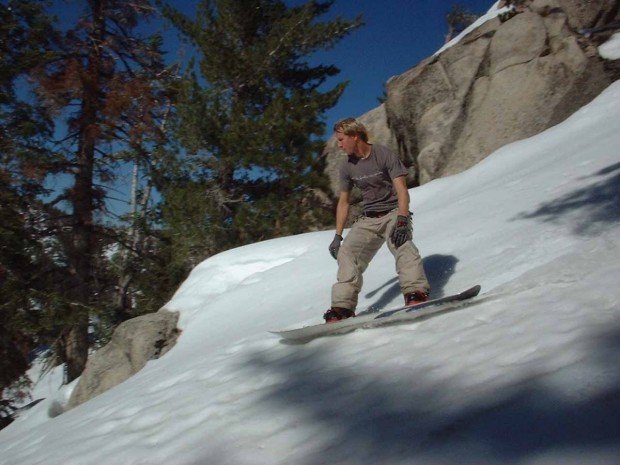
pixel 133 344
pixel 511 78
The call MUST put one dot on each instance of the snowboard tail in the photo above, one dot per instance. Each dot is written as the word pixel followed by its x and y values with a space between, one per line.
pixel 401 314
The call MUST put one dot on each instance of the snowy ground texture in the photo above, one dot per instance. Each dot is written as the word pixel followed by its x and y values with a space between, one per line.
pixel 528 375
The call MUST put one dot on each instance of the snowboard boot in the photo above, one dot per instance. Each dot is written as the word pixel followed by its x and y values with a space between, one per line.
pixel 415 298
pixel 335 314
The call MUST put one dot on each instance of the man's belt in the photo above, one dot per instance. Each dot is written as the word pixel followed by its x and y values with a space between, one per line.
pixel 377 214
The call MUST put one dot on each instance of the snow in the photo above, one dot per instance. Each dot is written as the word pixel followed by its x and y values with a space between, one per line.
pixel 46 383
pixel 610 50
pixel 526 375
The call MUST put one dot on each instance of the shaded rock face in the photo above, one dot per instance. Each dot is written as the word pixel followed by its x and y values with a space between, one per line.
pixel 507 80
pixel 503 82
pixel 133 343
pixel 582 14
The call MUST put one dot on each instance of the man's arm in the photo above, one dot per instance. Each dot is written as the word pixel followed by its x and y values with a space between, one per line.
pixel 342 211
pixel 401 232
pixel 400 185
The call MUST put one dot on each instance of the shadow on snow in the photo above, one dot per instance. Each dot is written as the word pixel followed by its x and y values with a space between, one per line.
pixel 439 268
pixel 598 204
pixel 368 418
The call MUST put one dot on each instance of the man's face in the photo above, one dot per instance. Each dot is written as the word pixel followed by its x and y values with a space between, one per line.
pixel 346 143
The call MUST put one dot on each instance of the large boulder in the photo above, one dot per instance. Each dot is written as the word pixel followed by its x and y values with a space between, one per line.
pixel 503 82
pixel 133 344
pixel 511 78
pixel 581 14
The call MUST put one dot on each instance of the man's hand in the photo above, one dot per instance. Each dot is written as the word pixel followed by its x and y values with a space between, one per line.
pixel 401 232
pixel 334 247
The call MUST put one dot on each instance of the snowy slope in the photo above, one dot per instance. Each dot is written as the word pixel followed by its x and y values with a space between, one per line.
pixel 529 375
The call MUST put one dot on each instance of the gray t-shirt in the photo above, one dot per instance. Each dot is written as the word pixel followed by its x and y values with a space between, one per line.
pixel 373 176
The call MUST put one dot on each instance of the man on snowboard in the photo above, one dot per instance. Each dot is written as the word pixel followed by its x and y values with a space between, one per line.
pixel 380 175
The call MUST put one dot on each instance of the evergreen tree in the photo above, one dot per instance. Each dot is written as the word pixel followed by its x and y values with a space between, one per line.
pixel 250 116
pixel 106 87
pixel 26 34
pixel 26 282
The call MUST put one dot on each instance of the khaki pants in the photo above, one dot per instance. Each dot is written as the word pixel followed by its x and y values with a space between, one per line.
pixel 360 246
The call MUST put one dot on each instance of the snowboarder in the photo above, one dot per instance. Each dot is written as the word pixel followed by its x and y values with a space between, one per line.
pixel 380 175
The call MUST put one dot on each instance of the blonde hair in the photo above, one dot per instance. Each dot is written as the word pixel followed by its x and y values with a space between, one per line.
pixel 352 127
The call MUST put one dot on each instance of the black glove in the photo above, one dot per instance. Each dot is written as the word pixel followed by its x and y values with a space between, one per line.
pixel 401 232
pixel 334 247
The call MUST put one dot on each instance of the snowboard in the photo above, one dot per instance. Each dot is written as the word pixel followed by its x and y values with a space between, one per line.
pixel 397 315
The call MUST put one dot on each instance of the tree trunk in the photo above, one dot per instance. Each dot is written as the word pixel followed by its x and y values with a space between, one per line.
pixel 82 259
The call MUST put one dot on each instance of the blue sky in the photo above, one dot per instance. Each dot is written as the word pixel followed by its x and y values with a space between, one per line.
pixel 396 36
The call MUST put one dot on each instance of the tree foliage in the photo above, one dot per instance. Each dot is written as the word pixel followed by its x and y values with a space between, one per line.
pixel 106 88
pixel 26 266
pixel 250 117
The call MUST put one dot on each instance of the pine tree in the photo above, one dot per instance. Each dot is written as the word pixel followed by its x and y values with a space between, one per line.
pixel 25 36
pixel 250 116
pixel 106 85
